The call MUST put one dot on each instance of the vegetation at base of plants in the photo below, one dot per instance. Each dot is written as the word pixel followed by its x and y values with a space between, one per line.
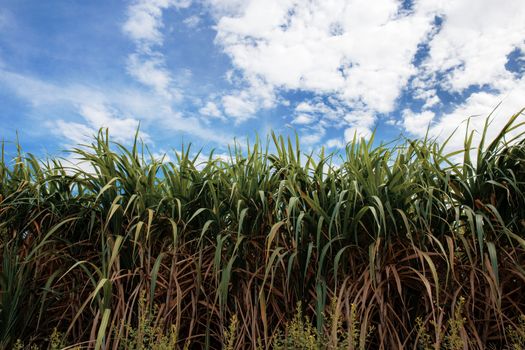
pixel 406 245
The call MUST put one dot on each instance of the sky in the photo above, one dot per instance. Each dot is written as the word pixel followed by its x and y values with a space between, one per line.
pixel 212 71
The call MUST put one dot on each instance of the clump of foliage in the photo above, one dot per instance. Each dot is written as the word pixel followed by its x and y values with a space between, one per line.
pixel 517 334
pixel 147 335
pixel 377 242
pixel 300 333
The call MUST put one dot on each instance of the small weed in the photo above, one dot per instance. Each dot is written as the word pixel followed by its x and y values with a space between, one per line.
pixel 299 334
pixel 56 340
pixel 517 335
pixel 424 339
pixel 147 335
pixel 229 335
pixel 453 339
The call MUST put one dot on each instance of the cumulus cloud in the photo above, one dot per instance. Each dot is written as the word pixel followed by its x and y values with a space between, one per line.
pixel 365 56
pixel 357 131
pixel 337 65
pixel 74 162
pixel 469 51
pixel 478 106
pixel 243 105
pixel 331 110
pixel 194 127
pixel 474 40
pixel 122 128
pixel 358 54
pixel 417 123
pixel 77 133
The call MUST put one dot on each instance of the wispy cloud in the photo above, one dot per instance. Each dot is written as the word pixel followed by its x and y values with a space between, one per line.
pixel 148 66
pixel 88 103
pixel 117 109
pixel 151 71
pixel 144 24
pixel 5 18
pixel 144 27
pixel 192 22
pixel 99 116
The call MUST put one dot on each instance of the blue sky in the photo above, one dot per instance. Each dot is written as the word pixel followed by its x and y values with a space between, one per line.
pixel 209 71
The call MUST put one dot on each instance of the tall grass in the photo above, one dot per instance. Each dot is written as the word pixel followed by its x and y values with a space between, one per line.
pixel 385 247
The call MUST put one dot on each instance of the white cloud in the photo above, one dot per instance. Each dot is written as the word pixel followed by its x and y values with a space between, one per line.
pixel 162 156
pixel 147 64
pixel 303 119
pixel 362 56
pixel 360 122
pixel 472 46
pixel 96 117
pixel 120 108
pixel 77 133
pixel 334 114
pixel 211 110
pixel 239 106
pixel 243 104
pixel 305 107
pixel 117 103
pixel 316 106
pixel 44 95
pixel 351 58
pixel 192 21
pixel 144 21
pixel 73 163
pixel 360 131
pixel 122 128
pixel 470 50
pixel 478 106
pixel 151 71
pixel 417 123
pixel 226 7
pixel 191 125
pixel 335 143
pixel 312 137
pixel 347 49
